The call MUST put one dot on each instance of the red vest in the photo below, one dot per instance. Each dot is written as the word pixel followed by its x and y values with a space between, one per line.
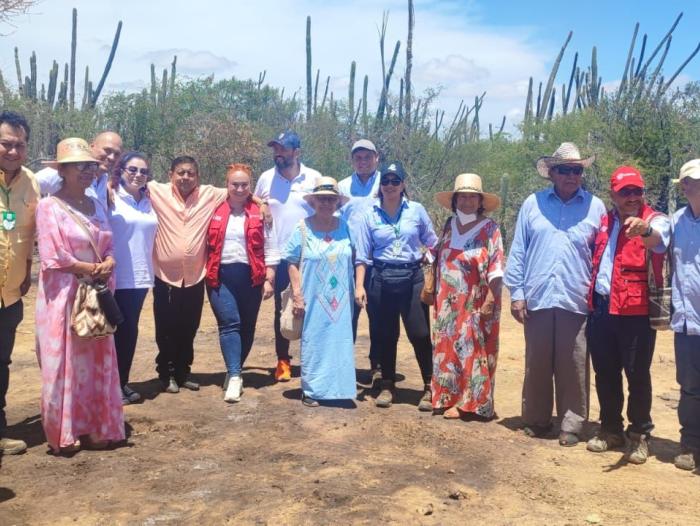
pixel 254 240
pixel 629 294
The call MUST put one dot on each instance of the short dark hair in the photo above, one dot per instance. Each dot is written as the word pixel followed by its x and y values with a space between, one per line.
pixel 125 158
pixel 15 120
pixel 183 159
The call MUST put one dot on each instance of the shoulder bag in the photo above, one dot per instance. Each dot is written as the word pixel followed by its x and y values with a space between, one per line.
pixel 427 295
pixel 290 325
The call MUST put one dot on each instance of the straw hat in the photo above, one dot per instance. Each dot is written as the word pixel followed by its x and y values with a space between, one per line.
pixel 72 150
pixel 567 153
pixel 327 186
pixel 468 183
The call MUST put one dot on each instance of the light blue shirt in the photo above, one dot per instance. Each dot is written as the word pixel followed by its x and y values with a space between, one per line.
pixel 686 272
pixel 50 183
pixel 550 260
pixel 397 239
pixel 362 196
pixel 659 223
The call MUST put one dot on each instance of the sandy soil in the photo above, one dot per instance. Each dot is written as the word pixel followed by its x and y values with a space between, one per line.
pixel 270 460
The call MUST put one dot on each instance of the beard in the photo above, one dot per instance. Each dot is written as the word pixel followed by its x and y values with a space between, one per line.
pixel 282 162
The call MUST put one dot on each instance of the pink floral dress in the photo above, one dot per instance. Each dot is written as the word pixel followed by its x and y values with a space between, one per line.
pixel 80 391
pixel 465 346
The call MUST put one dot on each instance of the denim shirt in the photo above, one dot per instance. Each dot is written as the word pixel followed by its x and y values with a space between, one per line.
pixel 362 196
pixel 685 291
pixel 396 240
pixel 550 260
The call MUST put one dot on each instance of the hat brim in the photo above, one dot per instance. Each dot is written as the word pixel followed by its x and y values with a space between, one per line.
pixel 343 199
pixel 66 160
pixel 490 202
pixel 545 163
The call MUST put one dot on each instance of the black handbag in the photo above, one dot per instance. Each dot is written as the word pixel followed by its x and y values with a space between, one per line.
pixel 108 304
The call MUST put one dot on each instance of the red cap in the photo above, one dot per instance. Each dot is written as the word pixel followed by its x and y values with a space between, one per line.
pixel 625 176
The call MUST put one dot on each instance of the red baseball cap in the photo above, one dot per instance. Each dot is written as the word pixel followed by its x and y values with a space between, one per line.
pixel 625 176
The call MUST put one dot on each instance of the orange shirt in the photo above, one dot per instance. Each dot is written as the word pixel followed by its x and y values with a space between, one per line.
pixel 179 253
pixel 16 245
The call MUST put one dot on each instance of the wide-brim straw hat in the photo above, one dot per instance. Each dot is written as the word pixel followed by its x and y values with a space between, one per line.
pixel 468 183
pixel 72 150
pixel 327 186
pixel 567 153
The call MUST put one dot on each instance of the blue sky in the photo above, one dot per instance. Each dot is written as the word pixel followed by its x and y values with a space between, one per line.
pixel 464 46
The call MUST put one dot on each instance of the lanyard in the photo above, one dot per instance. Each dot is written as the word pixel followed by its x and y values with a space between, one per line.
pixel 396 227
pixel 6 193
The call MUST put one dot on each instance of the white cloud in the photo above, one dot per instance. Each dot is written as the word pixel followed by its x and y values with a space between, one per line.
pixel 192 61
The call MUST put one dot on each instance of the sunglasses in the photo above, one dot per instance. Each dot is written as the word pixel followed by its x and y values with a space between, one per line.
pixel 569 170
pixel 133 170
pixel 390 181
pixel 86 166
pixel 634 191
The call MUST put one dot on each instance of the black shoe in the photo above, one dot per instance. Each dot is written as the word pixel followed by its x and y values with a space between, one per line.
pixel 535 431
pixel 189 384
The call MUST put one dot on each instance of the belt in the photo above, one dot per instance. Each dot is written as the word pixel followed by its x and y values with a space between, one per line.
pixel 384 264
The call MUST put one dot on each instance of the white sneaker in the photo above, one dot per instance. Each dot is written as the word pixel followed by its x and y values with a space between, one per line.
pixel 234 389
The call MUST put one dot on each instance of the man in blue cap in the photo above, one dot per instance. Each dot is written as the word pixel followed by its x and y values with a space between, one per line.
pixel 283 188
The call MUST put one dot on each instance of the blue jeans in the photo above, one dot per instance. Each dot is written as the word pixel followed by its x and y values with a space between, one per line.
pixel 688 376
pixel 235 304
pixel 130 302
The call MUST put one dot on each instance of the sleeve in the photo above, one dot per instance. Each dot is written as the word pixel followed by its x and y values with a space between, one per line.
pixel 292 252
pixel 427 232
pixel 496 257
pixel 259 188
pixel 271 248
pixel 54 249
pixel 49 181
pixel 514 277
pixel 362 239
pixel 662 224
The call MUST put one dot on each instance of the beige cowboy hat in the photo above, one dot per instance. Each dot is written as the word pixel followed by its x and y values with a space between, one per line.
pixel 690 169
pixel 468 183
pixel 327 186
pixel 567 153
pixel 72 150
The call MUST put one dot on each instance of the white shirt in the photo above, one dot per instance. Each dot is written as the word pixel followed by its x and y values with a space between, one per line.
pixel 286 199
pixel 50 183
pixel 463 242
pixel 134 225
pixel 234 250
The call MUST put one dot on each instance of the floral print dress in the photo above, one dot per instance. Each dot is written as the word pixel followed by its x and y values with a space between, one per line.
pixel 80 392
pixel 465 346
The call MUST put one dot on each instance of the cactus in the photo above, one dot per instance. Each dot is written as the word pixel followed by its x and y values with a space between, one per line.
pixel 173 72
pixel 115 42
pixel 550 83
pixel 318 74
pixel 629 60
pixel 351 91
pixel 308 68
pixel 365 120
pixel 86 85
pixel 528 102
pixel 385 89
pixel 163 87
pixel 73 47
pixel 154 85
pixel 32 76
pixel 19 72
pixel 325 93
pixel 409 61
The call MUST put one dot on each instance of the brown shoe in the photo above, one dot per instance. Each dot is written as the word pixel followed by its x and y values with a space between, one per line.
pixel 9 446
pixel 386 396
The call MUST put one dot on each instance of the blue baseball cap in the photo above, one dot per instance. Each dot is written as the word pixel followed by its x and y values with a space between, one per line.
pixel 394 167
pixel 288 140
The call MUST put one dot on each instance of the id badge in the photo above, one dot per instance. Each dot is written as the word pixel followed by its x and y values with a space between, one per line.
pixel 9 220
pixel 396 247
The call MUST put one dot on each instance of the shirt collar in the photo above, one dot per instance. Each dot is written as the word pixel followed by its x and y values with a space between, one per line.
pixel 578 195
pixel 302 173
pixel 370 182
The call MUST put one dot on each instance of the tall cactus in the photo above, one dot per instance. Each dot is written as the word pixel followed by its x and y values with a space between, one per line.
pixel 308 68
pixel 365 119
pixel 409 61
pixel 544 107
pixel 351 92
pixel 18 68
pixel 108 66
pixel 73 48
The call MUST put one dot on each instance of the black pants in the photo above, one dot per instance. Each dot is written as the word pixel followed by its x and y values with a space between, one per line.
pixel 373 351
pixel 176 312
pixel 394 293
pixel 281 282
pixel 618 343
pixel 10 318
pixel 130 302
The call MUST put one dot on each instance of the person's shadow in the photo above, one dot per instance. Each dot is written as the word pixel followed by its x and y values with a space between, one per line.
pixel 295 394
pixel 29 430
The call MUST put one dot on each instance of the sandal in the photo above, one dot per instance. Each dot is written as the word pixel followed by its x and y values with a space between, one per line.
pixel 452 414
pixel 567 439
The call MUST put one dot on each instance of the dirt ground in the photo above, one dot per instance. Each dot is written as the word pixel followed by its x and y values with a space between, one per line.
pixel 270 460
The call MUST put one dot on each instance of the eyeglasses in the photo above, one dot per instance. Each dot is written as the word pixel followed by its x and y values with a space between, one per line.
pixel 133 170
pixel 627 191
pixel 390 181
pixel 569 170
pixel 86 166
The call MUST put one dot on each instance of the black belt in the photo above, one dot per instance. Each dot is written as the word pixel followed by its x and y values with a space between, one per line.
pixel 384 264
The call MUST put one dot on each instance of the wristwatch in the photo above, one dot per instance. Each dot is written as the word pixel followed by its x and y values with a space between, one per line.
pixel 648 232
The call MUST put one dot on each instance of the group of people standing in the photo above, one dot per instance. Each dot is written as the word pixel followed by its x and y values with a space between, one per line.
pixel 576 273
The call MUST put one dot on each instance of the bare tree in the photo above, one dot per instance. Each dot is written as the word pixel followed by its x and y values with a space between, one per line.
pixel 10 9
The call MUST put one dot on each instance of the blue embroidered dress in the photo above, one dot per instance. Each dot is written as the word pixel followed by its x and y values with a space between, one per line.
pixel 327 355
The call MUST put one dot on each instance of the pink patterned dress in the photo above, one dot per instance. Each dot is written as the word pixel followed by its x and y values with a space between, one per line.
pixel 465 346
pixel 80 391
